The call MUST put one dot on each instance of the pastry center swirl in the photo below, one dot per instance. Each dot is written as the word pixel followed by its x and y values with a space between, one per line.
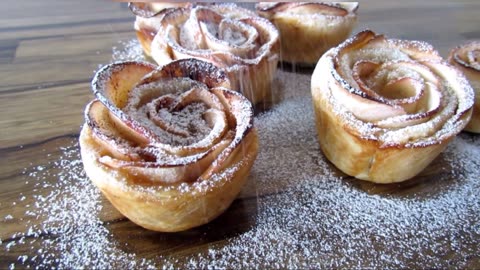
pixel 192 117
pixel 400 89
pixel 187 123
pixel 396 92
pixel 469 55
pixel 207 30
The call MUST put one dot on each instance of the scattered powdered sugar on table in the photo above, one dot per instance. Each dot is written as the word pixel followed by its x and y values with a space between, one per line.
pixel 129 50
pixel 321 220
pixel 309 215
pixel 71 232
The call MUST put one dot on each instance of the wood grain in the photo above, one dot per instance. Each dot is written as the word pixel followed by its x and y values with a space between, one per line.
pixel 49 51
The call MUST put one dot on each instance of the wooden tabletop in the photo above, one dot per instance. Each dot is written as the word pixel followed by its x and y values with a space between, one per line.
pixel 51 215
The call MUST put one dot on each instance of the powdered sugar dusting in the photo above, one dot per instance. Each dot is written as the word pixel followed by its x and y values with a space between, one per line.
pixel 71 234
pixel 154 105
pixel 309 215
pixel 321 220
pixel 424 125
pixel 229 39
pixel 129 50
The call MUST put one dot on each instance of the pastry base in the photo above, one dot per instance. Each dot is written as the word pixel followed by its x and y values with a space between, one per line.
pixel 364 159
pixel 311 39
pixel 169 208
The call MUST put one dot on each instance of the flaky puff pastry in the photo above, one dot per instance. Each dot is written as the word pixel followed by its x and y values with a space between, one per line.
pixel 309 29
pixel 235 39
pixel 466 57
pixel 170 147
pixel 385 108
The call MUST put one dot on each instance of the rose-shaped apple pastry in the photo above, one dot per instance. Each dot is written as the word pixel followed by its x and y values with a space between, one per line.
pixel 309 29
pixel 466 57
pixel 244 45
pixel 148 16
pixel 169 147
pixel 385 108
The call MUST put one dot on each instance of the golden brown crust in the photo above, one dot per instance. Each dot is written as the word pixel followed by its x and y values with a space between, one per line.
pixel 308 29
pixel 386 108
pixel 244 45
pixel 466 57
pixel 170 147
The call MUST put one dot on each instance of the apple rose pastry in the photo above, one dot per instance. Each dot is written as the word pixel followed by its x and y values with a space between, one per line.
pixel 385 108
pixel 309 29
pixel 244 45
pixel 169 147
pixel 148 16
pixel 467 58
